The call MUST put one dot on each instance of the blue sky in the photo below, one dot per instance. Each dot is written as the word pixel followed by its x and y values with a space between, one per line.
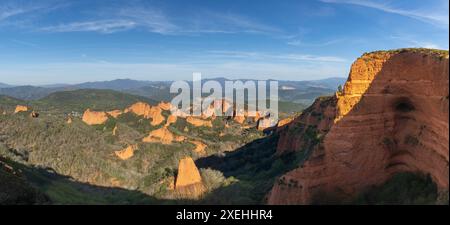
pixel 62 41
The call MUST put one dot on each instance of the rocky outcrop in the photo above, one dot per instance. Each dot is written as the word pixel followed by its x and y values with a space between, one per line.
pixel 265 123
pixel 188 182
pixel 157 117
pixel 147 111
pixel 163 136
pixel 115 113
pixel 284 122
pixel 170 120
pixel 391 117
pixel 94 118
pixel 239 119
pixel 166 106
pixel 20 108
pixel 200 147
pixel 127 152
pixel 140 109
pixel 197 122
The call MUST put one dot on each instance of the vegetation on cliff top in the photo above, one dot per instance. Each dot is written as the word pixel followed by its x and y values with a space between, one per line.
pixel 435 52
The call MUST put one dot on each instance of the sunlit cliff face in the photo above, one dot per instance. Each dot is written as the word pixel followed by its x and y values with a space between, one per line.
pixel 391 117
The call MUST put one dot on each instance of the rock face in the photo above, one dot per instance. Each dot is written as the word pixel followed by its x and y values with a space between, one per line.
pixel 391 117
pixel 239 119
pixel 284 122
pixel 162 135
pixel 188 181
pixel 265 123
pixel 170 120
pixel 200 147
pixel 126 153
pixel 20 108
pixel 198 122
pixel 115 113
pixel 94 118
pixel 147 111
pixel 166 106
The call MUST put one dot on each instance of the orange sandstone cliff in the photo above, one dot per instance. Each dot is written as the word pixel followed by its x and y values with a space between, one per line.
pixel 163 136
pixel 127 152
pixel 392 116
pixel 147 111
pixel 94 118
pixel 20 108
pixel 189 181
pixel 198 122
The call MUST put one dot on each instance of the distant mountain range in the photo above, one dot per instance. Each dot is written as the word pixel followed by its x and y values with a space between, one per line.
pixel 291 91
pixel 2 85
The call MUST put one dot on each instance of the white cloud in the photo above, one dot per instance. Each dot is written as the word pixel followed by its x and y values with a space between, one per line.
pixel 151 19
pixel 8 11
pixel 230 23
pixel 23 14
pixel 299 43
pixel 438 16
pixel 132 16
pixel 102 26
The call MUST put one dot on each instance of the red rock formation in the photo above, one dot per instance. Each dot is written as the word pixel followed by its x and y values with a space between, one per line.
pixel 189 182
pixel 20 108
pixel 284 122
pixel 198 122
pixel 147 111
pixel 170 120
pixel 115 113
pixel 265 123
pixel 162 135
pixel 239 119
pixel 166 106
pixel 391 117
pixel 127 152
pixel 94 118
pixel 200 147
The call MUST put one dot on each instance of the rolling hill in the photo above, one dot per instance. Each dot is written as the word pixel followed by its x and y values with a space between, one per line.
pixel 290 91
pixel 79 100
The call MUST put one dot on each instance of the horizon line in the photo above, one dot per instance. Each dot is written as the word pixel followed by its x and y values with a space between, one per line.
pixel 12 85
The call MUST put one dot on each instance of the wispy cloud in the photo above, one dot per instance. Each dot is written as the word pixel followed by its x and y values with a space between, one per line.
pixel 131 16
pixel 12 10
pixel 214 22
pixel 151 19
pixel 299 43
pixel 102 26
pixel 268 56
pixel 23 14
pixel 439 18
pixel 25 43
